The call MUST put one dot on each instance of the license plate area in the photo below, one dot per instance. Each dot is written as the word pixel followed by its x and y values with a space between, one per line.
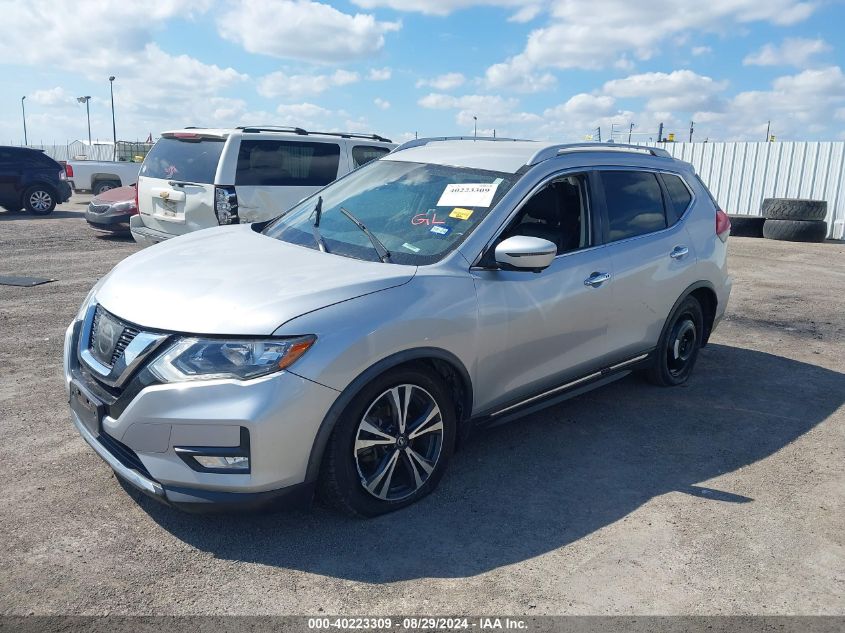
pixel 88 409
pixel 169 210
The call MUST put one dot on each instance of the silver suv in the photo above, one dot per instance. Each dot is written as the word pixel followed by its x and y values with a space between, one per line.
pixel 350 344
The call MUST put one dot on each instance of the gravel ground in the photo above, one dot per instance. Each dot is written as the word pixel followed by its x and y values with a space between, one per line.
pixel 724 496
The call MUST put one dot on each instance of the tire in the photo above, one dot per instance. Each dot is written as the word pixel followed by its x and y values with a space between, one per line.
pixel 794 209
pixel 678 347
pixel 102 186
pixel 39 200
pixel 367 439
pixel 795 230
pixel 746 225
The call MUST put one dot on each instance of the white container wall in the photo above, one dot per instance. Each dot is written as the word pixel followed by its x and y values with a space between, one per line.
pixel 741 174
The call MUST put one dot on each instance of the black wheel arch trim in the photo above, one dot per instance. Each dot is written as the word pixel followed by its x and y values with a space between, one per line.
pixel 698 285
pixel 400 358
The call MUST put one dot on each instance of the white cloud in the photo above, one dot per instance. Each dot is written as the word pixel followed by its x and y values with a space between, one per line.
pixel 681 90
pixel 281 85
pixel 592 36
pixel 517 77
pixel 796 52
pixel 449 81
pixel 52 97
pixel 526 13
pixel 698 51
pixel 381 103
pixel 379 74
pixel 303 30
pixel 444 7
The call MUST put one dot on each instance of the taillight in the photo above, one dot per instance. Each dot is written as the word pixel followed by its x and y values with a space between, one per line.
pixel 136 199
pixel 69 170
pixel 62 175
pixel 226 205
pixel 723 225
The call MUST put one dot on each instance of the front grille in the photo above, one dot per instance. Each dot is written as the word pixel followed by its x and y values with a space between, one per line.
pixel 124 454
pixel 127 334
pixel 98 208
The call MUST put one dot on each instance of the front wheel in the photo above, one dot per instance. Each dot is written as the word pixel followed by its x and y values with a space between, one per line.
pixel 678 347
pixel 39 200
pixel 391 445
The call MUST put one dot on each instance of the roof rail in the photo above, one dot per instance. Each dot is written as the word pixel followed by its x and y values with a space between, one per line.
pixel 419 142
pixel 556 150
pixel 303 132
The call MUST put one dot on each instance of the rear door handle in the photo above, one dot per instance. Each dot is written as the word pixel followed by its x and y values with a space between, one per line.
pixel 596 279
pixel 679 252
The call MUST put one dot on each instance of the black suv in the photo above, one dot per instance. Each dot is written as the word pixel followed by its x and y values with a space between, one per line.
pixel 31 180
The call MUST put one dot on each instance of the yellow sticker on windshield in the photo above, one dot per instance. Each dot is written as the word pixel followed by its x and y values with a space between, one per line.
pixel 460 214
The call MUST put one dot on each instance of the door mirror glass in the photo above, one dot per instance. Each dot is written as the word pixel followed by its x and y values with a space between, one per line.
pixel 523 252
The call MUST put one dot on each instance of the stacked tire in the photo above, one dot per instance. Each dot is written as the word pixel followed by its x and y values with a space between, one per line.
pixel 794 220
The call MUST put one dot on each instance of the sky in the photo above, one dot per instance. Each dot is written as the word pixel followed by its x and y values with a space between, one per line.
pixel 544 69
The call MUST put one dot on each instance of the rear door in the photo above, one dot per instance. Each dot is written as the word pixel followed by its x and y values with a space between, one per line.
pixel 176 183
pixel 272 175
pixel 651 253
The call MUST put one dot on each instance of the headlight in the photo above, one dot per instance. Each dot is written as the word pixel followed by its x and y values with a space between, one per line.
pixel 208 359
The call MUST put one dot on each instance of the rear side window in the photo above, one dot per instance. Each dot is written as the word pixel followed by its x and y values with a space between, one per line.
pixel 679 194
pixel 634 203
pixel 363 154
pixel 184 160
pixel 287 163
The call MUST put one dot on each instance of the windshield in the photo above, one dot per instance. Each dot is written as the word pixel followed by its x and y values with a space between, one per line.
pixel 186 160
pixel 418 211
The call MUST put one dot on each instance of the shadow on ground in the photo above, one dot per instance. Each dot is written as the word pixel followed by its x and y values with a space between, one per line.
pixel 25 215
pixel 547 480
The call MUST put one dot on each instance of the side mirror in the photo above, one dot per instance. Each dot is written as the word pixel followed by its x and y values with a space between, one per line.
pixel 522 252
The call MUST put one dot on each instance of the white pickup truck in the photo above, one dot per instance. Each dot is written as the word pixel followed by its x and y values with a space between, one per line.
pixel 98 176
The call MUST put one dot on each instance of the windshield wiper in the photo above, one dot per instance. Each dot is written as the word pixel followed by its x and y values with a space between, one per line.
pixel 383 253
pixel 315 228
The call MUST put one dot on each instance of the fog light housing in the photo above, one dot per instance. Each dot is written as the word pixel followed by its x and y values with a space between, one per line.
pixel 228 460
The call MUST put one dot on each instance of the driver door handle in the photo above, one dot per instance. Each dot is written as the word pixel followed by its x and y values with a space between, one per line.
pixel 679 252
pixel 596 279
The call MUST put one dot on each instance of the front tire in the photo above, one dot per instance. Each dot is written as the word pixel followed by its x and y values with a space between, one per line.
pixel 678 347
pixel 391 445
pixel 39 200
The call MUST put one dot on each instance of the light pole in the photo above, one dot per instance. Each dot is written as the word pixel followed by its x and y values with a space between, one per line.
pixel 475 128
pixel 85 100
pixel 23 111
pixel 630 130
pixel 113 127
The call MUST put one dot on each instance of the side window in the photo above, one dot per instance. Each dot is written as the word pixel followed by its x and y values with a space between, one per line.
pixel 558 213
pixel 678 193
pixel 363 154
pixel 634 203
pixel 287 163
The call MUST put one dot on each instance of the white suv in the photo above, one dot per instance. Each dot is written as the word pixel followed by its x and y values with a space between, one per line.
pixel 198 178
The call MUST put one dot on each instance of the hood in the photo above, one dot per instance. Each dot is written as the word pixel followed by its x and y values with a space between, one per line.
pixel 118 194
pixel 234 281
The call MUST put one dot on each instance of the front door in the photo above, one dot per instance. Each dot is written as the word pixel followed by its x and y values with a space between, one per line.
pixel 542 329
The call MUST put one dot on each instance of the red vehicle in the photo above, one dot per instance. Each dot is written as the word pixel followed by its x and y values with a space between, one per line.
pixel 110 211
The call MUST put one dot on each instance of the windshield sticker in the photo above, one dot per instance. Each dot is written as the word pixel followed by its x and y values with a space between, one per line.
pixel 411 247
pixel 468 194
pixel 440 230
pixel 428 218
pixel 461 214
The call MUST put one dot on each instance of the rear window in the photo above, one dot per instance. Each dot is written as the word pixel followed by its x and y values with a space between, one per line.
pixel 634 203
pixel 678 193
pixel 287 163
pixel 363 154
pixel 185 160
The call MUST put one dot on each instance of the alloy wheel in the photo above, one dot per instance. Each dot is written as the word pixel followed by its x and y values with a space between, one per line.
pixel 398 442
pixel 40 200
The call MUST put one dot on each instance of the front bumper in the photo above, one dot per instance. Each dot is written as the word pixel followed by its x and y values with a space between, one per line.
pixel 138 440
pixel 108 223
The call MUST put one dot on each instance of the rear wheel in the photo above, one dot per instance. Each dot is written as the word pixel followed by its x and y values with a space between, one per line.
pixel 39 200
pixel 677 350
pixel 391 445
pixel 102 186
